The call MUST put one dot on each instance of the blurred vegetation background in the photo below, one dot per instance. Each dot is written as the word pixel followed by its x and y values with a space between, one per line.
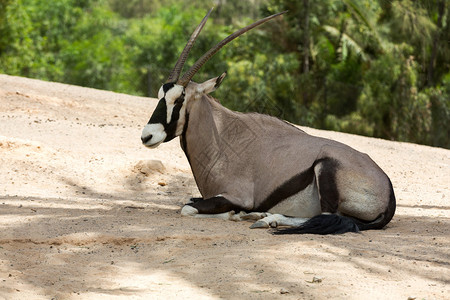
pixel 378 68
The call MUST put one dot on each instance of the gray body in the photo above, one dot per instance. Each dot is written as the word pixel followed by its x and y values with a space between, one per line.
pixel 263 167
pixel 246 157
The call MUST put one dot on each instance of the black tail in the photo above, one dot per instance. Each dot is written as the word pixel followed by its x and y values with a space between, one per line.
pixel 323 224
pixel 336 224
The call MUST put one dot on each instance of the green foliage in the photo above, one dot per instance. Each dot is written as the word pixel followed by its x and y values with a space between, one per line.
pixel 254 94
pixel 440 113
pixel 97 55
pixel 371 66
pixel 390 100
pixel 377 68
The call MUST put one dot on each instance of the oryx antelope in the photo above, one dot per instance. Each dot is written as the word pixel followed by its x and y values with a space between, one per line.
pixel 261 167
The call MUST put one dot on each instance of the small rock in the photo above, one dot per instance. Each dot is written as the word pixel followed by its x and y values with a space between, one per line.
pixel 316 280
pixel 162 183
pixel 284 291
pixel 148 167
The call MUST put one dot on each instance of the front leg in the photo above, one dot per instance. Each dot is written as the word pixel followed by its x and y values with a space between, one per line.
pixel 215 207
pixel 194 200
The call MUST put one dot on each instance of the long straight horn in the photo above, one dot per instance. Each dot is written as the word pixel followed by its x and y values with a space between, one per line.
pixel 173 77
pixel 199 63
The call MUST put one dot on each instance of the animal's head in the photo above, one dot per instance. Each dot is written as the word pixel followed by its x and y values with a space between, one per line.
pixel 169 117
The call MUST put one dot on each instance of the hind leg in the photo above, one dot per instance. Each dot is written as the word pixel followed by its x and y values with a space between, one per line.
pixel 327 185
pixel 275 220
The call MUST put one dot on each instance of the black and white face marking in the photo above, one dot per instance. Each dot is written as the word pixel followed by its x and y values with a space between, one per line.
pixel 167 121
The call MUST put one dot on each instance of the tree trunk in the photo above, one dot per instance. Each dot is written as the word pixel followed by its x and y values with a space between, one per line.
pixel 149 82
pixel 305 59
pixel 338 47
pixel 432 63
pixel 306 37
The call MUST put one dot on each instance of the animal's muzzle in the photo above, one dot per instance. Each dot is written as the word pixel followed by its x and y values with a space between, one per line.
pixel 146 138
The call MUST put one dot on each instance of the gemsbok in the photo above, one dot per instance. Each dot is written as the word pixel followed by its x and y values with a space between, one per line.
pixel 257 167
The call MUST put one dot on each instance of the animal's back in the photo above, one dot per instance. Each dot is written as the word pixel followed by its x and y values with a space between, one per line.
pixel 284 155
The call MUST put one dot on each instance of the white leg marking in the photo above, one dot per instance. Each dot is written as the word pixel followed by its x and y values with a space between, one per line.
pixel 254 216
pixel 223 216
pixel 265 220
pixel 188 210
pixel 276 220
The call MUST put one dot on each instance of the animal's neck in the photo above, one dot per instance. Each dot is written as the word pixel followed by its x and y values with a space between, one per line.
pixel 207 118
pixel 203 140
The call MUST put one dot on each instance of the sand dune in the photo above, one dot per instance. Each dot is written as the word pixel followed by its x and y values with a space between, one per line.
pixel 86 212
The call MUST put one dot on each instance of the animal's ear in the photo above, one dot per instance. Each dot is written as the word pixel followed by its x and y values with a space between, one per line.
pixel 211 85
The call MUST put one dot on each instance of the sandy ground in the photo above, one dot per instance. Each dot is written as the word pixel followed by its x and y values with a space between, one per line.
pixel 86 212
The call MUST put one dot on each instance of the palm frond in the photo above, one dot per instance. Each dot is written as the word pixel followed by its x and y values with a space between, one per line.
pixel 347 41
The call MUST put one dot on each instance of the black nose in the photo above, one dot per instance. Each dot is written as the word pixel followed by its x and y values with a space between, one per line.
pixel 146 139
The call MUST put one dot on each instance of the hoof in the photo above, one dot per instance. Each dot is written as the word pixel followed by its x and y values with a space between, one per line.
pixel 259 224
pixel 188 211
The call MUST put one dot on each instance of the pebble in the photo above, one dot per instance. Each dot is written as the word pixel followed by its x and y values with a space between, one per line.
pixel 317 279
pixel 148 167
